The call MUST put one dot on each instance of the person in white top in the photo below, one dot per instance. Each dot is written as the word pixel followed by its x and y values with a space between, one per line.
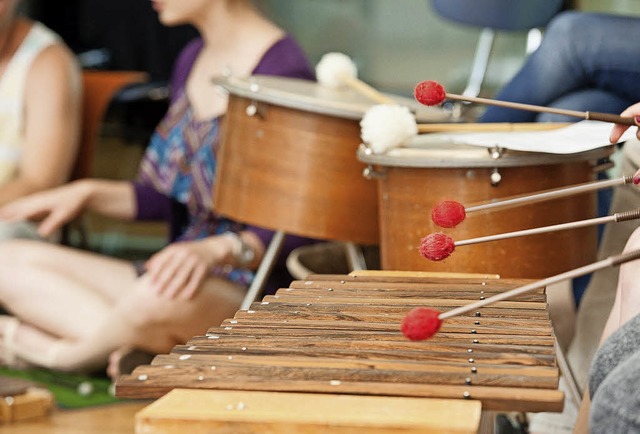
pixel 40 111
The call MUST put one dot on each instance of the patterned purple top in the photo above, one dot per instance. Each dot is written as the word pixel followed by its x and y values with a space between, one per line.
pixel 176 175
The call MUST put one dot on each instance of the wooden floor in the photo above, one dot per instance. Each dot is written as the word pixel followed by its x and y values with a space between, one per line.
pixel 107 419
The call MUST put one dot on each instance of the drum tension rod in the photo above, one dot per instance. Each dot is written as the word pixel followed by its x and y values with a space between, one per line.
pixel 370 173
pixel 495 153
pixel 495 177
pixel 253 110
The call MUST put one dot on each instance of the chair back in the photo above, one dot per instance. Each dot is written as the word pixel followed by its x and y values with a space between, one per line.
pixel 99 88
pixel 512 15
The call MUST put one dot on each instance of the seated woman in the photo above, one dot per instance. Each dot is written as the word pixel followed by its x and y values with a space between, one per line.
pixel 70 309
pixel 40 99
pixel 611 401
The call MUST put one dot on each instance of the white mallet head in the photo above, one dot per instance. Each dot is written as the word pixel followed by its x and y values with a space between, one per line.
pixel 333 67
pixel 386 126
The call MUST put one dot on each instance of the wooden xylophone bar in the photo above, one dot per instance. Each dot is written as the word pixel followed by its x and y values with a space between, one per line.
pixel 338 334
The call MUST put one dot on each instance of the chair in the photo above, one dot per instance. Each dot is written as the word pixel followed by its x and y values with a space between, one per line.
pixel 99 89
pixel 494 15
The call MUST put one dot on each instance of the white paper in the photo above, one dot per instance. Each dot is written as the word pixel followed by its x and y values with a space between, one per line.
pixel 579 137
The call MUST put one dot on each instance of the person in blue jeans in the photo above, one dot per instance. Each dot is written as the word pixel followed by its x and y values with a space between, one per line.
pixel 585 62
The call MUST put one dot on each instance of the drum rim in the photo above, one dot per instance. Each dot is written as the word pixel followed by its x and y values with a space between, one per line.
pixel 475 156
pixel 262 88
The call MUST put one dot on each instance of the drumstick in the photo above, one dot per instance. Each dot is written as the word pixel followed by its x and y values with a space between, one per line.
pixel 337 69
pixel 431 93
pixel 384 125
pixel 449 213
pixel 422 323
pixel 439 246
pixel 457 127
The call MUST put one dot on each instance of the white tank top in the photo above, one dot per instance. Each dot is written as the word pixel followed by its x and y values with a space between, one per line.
pixel 12 90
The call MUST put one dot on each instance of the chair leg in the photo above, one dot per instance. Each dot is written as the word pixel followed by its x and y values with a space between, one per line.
pixel 264 269
pixel 480 62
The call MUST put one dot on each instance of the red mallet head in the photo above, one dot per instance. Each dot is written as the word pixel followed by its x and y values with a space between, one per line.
pixel 421 323
pixel 448 214
pixel 429 93
pixel 436 246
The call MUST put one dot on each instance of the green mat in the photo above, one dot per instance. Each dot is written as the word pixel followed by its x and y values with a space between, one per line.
pixel 69 390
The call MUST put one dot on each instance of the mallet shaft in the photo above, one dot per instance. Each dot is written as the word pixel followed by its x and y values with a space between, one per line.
pixel 611 261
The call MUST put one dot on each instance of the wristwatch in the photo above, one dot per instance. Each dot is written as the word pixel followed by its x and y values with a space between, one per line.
pixel 242 252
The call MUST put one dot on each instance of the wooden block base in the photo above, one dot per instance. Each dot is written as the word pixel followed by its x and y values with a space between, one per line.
pixel 247 412
pixel 34 402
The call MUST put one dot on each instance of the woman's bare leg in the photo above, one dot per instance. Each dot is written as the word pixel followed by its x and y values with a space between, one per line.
pixel 164 325
pixel 87 306
pixel 161 323
pixel 625 307
pixel 59 294
pixel 145 320
pixel 627 302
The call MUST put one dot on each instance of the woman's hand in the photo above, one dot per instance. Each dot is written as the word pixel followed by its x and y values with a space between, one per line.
pixel 617 130
pixel 53 207
pixel 179 269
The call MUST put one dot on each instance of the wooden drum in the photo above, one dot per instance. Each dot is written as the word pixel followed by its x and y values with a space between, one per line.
pixel 288 162
pixel 340 334
pixel 412 180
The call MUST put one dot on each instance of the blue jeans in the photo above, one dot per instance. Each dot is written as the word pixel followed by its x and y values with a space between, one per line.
pixel 586 62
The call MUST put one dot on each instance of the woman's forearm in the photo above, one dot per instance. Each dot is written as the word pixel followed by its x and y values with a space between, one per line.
pixel 110 198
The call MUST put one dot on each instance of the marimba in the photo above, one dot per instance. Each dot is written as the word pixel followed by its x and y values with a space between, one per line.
pixel 337 338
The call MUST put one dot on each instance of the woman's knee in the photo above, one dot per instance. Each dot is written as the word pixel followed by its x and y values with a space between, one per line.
pixel 576 25
pixel 143 306
pixel 565 26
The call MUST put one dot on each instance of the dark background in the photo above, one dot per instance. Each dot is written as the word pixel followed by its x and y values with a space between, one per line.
pixel 120 35
pixel 128 31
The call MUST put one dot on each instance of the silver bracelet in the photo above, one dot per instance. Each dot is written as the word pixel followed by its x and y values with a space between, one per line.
pixel 243 254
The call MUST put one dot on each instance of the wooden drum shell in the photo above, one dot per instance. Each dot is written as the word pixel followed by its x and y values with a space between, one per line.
pixel 295 171
pixel 407 196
